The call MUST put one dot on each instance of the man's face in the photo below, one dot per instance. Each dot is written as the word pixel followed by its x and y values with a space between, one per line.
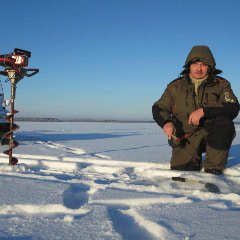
pixel 198 70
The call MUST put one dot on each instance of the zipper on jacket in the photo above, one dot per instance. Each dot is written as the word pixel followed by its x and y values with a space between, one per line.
pixel 199 98
pixel 194 96
pixel 206 97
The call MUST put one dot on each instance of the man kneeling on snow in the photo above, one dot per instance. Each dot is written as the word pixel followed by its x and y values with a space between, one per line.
pixel 196 112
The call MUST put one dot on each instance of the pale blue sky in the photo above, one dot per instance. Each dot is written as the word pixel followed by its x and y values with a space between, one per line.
pixel 113 58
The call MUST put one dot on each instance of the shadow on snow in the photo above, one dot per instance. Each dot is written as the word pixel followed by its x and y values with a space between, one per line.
pixel 234 155
pixel 40 136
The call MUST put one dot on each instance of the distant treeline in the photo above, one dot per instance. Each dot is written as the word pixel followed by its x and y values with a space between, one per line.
pixel 31 119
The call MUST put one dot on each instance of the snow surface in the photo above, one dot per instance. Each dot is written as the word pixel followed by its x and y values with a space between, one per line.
pixel 110 181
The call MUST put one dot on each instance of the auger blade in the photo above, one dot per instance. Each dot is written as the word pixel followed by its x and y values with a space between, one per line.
pixel 7 152
pixel 12 143
pixel 8 135
pixel 13 161
pixel 15 144
pixel 10 115
pixel 6 142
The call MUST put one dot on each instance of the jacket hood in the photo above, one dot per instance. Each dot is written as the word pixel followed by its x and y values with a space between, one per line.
pixel 201 53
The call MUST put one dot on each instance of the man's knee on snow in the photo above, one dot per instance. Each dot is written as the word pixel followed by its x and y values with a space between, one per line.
pixel 221 132
pixel 192 165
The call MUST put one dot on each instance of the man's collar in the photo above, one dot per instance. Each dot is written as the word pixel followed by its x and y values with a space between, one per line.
pixel 209 81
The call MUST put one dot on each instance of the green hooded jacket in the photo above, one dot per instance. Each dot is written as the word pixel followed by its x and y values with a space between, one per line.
pixel 179 100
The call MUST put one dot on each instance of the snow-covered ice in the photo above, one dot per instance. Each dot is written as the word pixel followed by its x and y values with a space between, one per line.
pixel 110 181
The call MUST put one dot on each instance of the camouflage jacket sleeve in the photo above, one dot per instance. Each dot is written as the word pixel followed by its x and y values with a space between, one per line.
pixel 162 109
pixel 227 104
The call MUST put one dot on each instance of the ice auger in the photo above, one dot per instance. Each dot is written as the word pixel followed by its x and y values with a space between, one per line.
pixel 14 69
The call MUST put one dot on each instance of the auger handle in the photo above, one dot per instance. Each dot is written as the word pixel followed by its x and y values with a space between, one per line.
pixel 32 71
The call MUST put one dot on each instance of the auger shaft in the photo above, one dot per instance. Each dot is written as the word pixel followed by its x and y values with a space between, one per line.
pixel 12 127
pixel 13 92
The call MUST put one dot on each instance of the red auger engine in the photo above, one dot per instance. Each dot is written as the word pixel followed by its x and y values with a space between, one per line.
pixel 15 69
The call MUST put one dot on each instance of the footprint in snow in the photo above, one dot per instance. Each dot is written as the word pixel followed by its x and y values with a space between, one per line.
pixel 75 196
